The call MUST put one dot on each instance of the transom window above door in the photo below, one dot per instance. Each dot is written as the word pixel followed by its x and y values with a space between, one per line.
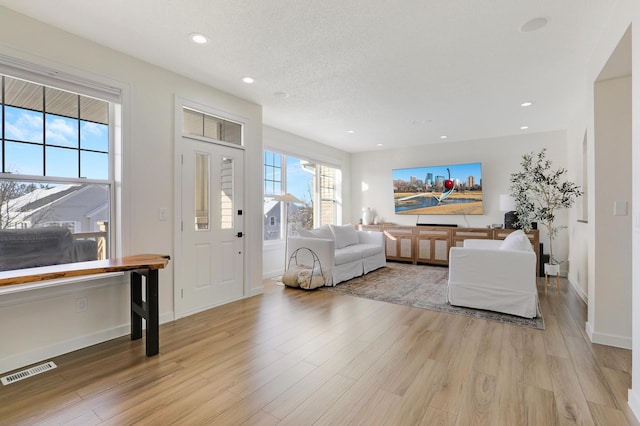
pixel 209 126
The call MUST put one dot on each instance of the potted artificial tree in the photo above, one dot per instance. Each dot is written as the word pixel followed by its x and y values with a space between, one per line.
pixel 539 192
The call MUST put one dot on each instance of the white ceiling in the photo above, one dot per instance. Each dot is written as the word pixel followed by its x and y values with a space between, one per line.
pixel 400 73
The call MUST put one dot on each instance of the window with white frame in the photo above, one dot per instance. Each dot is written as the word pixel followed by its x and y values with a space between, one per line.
pixel 55 169
pixel 299 193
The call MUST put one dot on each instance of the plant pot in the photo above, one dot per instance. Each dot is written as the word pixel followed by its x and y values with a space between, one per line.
pixel 552 269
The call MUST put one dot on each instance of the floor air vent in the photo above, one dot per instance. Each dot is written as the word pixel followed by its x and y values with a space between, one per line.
pixel 28 373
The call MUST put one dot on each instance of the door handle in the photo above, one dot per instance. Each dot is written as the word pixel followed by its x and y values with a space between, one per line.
pixel 239 234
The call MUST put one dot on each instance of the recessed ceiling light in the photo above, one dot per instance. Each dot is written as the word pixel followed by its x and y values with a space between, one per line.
pixel 351 131
pixel 443 137
pixel 281 94
pixel 199 38
pixel 524 127
pixel 248 80
pixel 534 24
pixel 379 144
pixel 526 104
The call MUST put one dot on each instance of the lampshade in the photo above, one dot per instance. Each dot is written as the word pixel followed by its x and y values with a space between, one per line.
pixel 506 203
pixel 288 198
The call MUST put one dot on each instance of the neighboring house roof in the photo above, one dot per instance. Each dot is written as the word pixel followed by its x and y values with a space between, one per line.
pixel 19 209
pixel 41 200
pixel 39 197
pixel 269 205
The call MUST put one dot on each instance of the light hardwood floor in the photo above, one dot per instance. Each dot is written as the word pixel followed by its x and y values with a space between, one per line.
pixel 295 357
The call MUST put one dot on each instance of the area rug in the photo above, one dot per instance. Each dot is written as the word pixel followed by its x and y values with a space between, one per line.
pixel 420 286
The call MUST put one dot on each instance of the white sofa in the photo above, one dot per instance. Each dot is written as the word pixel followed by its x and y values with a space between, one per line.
pixel 495 275
pixel 344 252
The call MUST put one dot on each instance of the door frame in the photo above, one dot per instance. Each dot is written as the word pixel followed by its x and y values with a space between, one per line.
pixel 178 263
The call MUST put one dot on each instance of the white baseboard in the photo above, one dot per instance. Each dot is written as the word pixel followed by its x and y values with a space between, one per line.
pixel 607 339
pixel 579 291
pixel 16 361
pixel 271 274
pixel 634 402
pixel 256 291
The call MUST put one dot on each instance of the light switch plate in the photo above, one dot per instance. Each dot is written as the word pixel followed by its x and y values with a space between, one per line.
pixel 619 208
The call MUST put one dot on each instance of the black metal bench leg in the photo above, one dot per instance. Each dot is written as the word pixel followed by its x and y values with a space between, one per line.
pixel 136 300
pixel 153 326
pixel 147 309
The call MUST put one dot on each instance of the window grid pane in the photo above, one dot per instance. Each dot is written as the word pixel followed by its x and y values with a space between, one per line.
pixel 94 110
pixel 22 94
pixel 61 103
pixel 62 162
pixel 23 158
pixel 61 131
pixel 272 174
pixel 48 116
pixel 94 165
pixel 94 136
pixel 272 186
pixel 23 125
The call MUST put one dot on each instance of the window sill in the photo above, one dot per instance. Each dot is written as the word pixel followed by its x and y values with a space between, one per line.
pixel 18 288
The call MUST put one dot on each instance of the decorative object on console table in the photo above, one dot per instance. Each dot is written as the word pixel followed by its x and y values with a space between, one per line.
pixel 539 192
pixel 508 205
pixel 366 216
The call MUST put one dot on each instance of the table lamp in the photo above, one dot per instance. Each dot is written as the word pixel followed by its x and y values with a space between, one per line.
pixel 508 205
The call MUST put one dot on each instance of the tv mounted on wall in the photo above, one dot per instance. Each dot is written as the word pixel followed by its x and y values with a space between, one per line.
pixel 447 189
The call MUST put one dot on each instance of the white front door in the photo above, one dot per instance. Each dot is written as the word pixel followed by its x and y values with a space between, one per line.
pixel 212 266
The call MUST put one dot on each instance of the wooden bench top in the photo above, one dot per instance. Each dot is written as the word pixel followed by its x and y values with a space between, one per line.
pixel 42 273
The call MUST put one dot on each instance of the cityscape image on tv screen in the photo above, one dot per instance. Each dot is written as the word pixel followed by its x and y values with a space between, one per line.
pixel 448 189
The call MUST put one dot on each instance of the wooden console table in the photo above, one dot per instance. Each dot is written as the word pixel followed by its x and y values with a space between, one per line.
pixel 143 265
pixel 431 244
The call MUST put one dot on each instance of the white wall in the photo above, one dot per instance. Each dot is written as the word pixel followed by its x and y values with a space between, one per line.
pixel 601 255
pixel 372 181
pixel 603 311
pixel 609 319
pixel 43 323
pixel 287 143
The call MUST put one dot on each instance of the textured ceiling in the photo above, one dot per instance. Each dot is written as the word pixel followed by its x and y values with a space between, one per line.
pixel 399 73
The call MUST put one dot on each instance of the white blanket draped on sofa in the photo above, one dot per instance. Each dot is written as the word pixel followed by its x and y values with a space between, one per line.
pixel 344 251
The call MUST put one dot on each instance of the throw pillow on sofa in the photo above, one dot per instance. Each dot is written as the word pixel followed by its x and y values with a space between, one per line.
pixel 324 232
pixel 345 235
pixel 517 240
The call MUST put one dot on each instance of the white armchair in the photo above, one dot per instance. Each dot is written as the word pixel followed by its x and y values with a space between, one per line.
pixel 495 275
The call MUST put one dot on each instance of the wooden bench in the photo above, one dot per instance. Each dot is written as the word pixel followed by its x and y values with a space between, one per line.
pixel 143 265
